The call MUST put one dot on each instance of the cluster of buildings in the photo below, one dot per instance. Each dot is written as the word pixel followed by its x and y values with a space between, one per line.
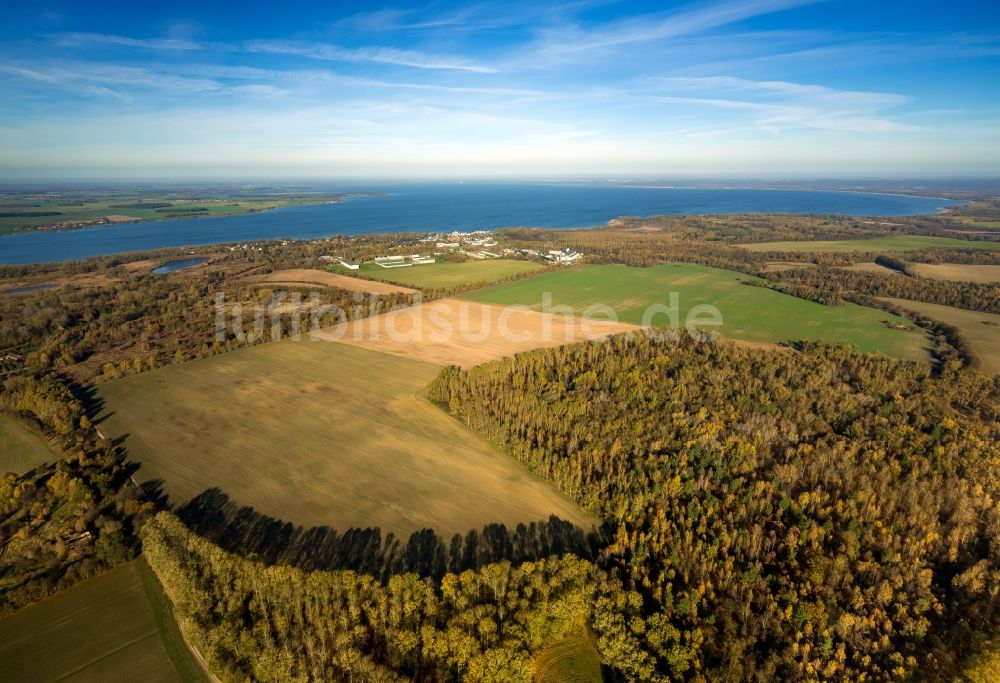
pixel 456 239
pixel 403 261
pixel 474 244
pixel 350 265
pixel 565 256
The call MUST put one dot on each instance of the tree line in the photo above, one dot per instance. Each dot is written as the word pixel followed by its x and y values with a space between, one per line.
pixel 279 623
pixel 973 296
pixel 247 532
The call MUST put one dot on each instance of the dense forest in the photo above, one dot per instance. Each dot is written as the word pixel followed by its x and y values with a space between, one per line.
pixel 785 516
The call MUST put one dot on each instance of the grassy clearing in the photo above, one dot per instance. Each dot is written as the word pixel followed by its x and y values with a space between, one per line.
pixel 959 272
pixel 982 330
pixel 572 660
pixel 446 274
pixel 20 448
pixel 750 313
pixel 321 433
pixel 114 627
pixel 902 243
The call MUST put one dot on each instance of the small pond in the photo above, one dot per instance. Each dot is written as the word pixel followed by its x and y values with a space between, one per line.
pixel 174 266
pixel 27 290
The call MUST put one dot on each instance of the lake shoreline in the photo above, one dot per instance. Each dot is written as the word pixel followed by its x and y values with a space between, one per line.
pixel 429 207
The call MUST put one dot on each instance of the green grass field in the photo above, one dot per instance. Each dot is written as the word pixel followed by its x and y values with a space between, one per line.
pixel 573 659
pixel 447 274
pixel 982 330
pixel 20 448
pixel 322 433
pixel 902 243
pixel 113 627
pixel 749 313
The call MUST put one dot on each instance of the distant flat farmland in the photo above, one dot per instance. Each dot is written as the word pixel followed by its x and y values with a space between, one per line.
pixel 960 272
pixel 322 433
pixel 448 274
pixel 901 243
pixel 20 448
pixel 982 330
pixel 749 313
pixel 116 626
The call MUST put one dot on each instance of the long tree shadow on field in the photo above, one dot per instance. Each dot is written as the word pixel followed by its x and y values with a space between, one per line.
pixel 245 531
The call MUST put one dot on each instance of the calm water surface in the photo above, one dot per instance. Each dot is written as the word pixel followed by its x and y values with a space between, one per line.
pixel 451 206
pixel 174 266
pixel 28 290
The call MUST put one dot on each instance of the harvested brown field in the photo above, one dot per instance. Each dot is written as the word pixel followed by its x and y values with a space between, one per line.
pixel 778 266
pixel 465 333
pixel 959 272
pixel 311 276
pixel 872 268
pixel 322 434
pixel 145 264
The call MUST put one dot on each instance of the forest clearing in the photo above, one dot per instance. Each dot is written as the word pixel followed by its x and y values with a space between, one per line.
pixel 20 448
pixel 322 434
pixel 981 330
pixel 959 272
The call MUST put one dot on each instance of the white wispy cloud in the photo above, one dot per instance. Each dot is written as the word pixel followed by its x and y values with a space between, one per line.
pixel 787 89
pixel 73 74
pixel 851 51
pixel 658 26
pixel 311 50
pixel 58 80
pixel 780 105
pixel 76 39
pixel 473 17
pixel 380 55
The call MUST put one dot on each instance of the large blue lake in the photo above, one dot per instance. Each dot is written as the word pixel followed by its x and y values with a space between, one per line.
pixel 451 206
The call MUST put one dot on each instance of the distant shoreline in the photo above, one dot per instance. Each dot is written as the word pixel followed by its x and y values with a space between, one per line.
pixel 112 220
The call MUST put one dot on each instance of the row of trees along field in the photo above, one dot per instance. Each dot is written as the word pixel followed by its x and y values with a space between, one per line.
pixel 278 623
pixel 833 282
pixel 73 517
pixel 784 515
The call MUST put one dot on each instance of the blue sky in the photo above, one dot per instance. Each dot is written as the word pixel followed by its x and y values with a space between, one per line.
pixel 737 88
